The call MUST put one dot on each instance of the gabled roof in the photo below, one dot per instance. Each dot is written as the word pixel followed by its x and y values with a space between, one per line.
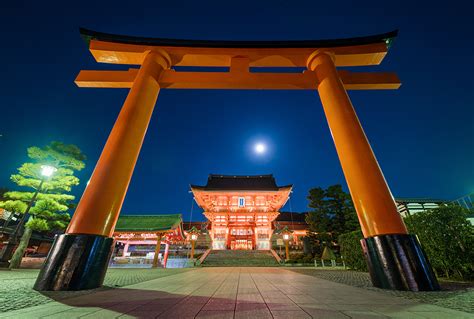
pixel 240 183
pixel 150 223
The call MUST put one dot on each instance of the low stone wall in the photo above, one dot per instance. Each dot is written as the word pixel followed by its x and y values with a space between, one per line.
pixel 32 262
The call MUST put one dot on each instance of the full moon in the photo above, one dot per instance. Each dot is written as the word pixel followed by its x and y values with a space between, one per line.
pixel 260 148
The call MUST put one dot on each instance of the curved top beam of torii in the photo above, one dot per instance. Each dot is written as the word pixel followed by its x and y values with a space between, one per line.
pixel 120 49
pixel 239 57
pixel 386 38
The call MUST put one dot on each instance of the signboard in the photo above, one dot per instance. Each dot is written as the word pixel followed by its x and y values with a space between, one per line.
pixel 280 242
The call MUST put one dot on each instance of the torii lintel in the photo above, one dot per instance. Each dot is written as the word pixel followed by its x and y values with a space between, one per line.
pixel 242 58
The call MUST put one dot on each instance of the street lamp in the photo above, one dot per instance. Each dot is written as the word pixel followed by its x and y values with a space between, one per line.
pixel 286 233
pixel 7 252
pixel 48 171
pixel 194 233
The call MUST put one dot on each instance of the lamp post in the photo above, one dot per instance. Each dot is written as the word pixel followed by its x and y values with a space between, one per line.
pixel 7 250
pixel 286 233
pixel 194 233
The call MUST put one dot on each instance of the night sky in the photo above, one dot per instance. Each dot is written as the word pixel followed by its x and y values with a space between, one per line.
pixel 422 134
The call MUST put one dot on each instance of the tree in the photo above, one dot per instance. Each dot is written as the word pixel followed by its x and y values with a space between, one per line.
pixel 49 208
pixel 332 214
pixel 3 190
pixel 447 238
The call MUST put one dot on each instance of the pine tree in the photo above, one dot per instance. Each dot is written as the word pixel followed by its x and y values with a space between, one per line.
pixel 49 208
pixel 332 214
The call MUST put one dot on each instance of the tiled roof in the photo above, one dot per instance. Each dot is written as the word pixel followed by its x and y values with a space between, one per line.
pixel 150 223
pixel 291 217
pixel 240 182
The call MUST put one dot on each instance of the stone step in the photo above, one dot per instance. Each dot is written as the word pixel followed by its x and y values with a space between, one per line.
pixel 240 258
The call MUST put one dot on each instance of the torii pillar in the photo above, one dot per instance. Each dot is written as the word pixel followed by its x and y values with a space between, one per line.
pixel 395 258
pixel 78 259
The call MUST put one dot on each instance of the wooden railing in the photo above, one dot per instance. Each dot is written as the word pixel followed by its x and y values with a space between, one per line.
pixel 204 256
pixel 276 256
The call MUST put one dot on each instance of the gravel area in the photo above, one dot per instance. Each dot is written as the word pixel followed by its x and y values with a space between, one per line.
pixel 16 286
pixel 454 295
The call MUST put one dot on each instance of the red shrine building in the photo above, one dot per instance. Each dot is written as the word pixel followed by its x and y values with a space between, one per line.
pixel 241 209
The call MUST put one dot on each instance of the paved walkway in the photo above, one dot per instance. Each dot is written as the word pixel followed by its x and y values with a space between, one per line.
pixel 236 293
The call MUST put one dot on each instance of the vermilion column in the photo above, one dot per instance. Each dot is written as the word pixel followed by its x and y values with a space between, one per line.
pixel 395 259
pixel 165 258
pixel 372 199
pixel 157 250
pixel 102 200
pixel 78 259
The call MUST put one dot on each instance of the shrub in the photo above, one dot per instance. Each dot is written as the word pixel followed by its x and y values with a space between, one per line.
pixel 351 250
pixel 447 238
pixel 296 256
pixel 308 259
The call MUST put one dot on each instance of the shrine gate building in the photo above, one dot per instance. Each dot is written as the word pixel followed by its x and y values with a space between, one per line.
pixel 241 209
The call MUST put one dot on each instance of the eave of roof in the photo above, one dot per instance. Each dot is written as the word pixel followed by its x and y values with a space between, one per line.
pixel 210 189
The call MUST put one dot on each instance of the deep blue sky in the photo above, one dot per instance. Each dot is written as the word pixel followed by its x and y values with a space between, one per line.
pixel 422 134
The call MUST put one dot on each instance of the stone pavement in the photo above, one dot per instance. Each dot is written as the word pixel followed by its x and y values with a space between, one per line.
pixel 16 292
pixel 236 293
pixel 454 294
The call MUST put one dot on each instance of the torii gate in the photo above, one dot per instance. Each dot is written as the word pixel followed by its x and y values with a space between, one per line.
pixel 78 258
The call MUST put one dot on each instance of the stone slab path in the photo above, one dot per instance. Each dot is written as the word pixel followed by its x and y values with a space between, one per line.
pixel 236 293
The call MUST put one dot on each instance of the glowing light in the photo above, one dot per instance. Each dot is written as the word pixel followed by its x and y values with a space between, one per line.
pixel 286 237
pixel 47 170
pixel 260 148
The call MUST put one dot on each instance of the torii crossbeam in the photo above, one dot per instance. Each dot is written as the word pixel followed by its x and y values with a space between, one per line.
pixel 78 259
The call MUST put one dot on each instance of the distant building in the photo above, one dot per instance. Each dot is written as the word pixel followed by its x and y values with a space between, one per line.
pixel 466 201
pixel 137 236
pixel 241 209
pixel 40 242
pixel 409 206
pixel 295 222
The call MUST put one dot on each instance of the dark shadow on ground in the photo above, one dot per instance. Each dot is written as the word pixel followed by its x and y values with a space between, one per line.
pixel 153 304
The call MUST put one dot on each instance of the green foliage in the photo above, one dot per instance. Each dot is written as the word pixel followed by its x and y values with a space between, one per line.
pixel 447 238
pixel 37 224
pixel 351 250
pixel 51 213
pixel 48 211
pixel 13 205
pixel 300 258
pixel 332 214
pixel 52 202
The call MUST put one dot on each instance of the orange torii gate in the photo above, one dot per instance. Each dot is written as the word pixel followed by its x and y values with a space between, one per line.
pixel 78 259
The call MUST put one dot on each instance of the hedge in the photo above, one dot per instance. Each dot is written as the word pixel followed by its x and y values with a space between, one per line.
pixel 351 250
pixel 445 234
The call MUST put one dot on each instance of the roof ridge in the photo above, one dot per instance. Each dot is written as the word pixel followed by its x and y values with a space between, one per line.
pixel 240 176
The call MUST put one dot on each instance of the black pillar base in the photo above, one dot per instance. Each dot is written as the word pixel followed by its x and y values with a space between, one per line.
pixel 398 262
pixel 75 262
